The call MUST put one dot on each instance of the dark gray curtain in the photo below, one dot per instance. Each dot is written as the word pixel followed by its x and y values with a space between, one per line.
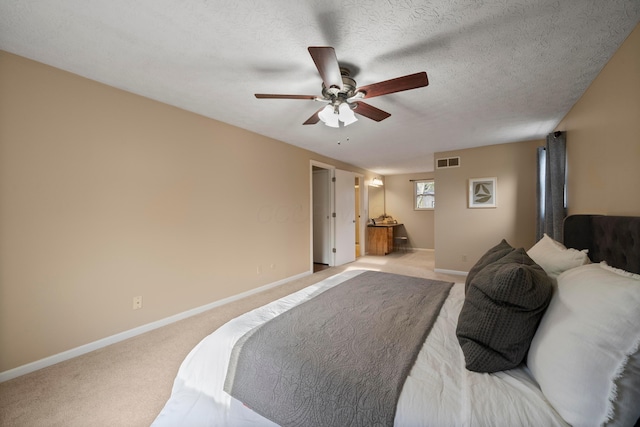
pixel 540 193
pixel 551 194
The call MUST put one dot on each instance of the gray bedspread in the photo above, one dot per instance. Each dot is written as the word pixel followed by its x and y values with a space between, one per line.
pixel 341 358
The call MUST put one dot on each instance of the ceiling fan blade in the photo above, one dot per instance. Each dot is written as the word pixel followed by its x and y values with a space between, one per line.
pixel 273 96
pixel 313 119
pixel 327 65
pixel 412 81
pixel 370 111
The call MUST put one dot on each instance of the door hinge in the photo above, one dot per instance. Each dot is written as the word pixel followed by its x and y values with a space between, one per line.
pixel 333 214
pixel 333 250
pixel 333 179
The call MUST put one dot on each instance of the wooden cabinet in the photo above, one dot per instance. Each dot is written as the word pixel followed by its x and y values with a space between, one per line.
pixel 380 238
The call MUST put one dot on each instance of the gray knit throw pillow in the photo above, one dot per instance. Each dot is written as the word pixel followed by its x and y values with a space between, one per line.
pixel 503 306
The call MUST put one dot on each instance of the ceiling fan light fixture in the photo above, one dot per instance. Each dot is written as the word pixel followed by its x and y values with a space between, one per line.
pixel 346 114
pixel 329 117
pixel 333 122
pixel 325 113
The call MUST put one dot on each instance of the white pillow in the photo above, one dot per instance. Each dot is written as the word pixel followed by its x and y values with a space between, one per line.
pixel 583 343
pixel 555 258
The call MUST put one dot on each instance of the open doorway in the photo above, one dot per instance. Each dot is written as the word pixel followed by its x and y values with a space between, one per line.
pixel 321 218
pixel 336 225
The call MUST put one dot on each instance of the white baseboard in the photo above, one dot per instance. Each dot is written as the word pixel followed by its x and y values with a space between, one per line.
pixel 83 349
pixel 455 272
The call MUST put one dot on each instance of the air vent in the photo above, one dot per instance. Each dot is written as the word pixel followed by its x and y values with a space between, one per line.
pixel 451 162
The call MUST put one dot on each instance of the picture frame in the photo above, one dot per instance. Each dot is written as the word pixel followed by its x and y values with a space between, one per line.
pixel 483 192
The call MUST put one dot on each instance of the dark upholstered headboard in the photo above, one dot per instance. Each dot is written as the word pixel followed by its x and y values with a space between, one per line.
pixel 614 239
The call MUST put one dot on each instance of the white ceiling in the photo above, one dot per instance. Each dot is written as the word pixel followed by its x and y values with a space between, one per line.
pixel 499 70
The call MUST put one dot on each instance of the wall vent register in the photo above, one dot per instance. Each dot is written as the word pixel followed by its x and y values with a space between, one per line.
pixel 451 162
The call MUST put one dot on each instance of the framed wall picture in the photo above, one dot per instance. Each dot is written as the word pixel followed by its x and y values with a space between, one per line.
pixel 483 192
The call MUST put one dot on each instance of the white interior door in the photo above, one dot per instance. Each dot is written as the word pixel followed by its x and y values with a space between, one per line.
pixel 322 217
pixel 345 217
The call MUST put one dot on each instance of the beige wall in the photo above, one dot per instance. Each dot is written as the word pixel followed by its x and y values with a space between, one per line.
pixel 419 225
pixel 462 235
pixel 603 138
pixel 105 195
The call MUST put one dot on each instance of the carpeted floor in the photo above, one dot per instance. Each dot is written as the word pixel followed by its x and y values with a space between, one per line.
pixel 128 383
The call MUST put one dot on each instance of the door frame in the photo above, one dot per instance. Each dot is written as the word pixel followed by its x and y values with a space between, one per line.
pixel 360 222
pixel 321 216
pixel 332 209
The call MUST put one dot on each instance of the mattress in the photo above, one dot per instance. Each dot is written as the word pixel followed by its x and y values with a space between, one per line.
pixel 439 390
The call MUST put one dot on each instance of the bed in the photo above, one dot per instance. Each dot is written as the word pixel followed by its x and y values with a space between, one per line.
pixel 565 352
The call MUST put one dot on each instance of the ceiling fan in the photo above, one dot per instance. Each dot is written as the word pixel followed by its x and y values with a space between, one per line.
pixel 341 94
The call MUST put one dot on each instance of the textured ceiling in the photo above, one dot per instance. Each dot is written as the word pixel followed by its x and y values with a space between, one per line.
pixel 499 70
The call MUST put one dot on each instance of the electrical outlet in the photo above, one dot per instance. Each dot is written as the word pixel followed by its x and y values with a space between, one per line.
pixel 137 302
pixel 259 269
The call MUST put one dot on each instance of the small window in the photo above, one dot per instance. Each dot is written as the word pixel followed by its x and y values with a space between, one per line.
pixel 425 194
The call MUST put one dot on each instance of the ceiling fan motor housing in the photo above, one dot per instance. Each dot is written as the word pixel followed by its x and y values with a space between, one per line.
pixel 339 95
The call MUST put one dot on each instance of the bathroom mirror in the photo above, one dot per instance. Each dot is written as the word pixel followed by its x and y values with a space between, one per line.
pixel 376 201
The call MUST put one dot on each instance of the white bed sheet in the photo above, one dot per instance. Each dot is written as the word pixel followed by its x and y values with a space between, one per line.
pixel 439 391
